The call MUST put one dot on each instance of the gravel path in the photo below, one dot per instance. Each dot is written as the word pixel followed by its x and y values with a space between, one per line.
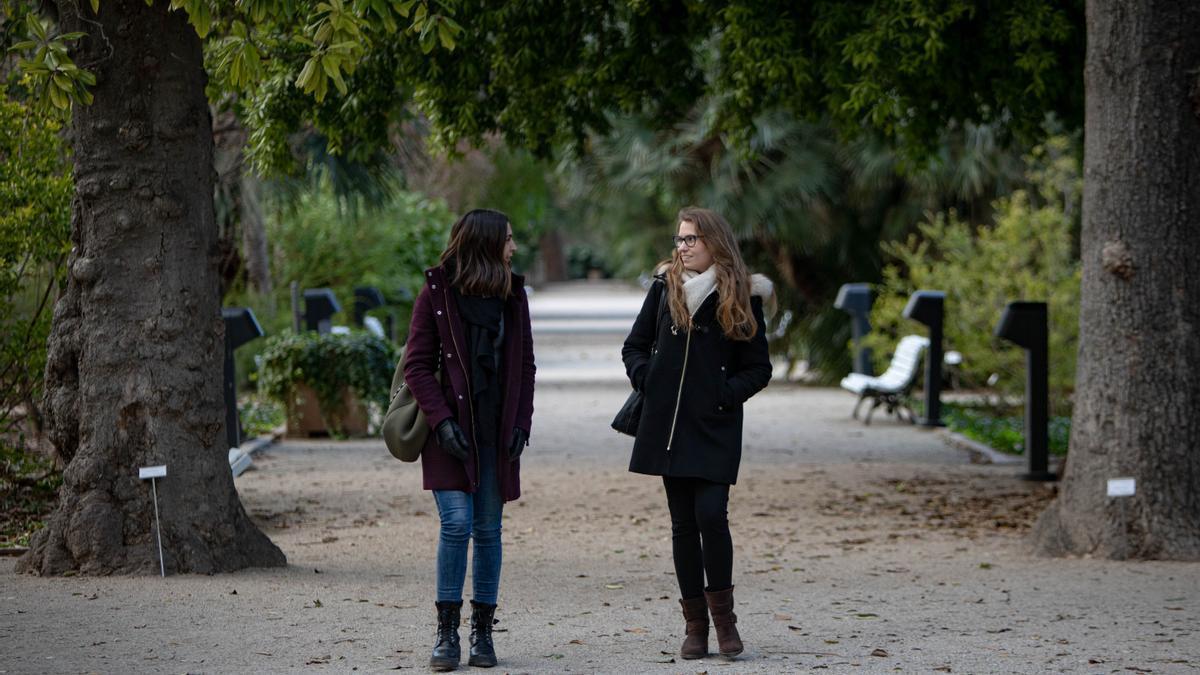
pixel 872 549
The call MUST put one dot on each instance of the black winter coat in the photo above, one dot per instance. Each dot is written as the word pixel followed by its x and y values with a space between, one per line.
pixel 691 423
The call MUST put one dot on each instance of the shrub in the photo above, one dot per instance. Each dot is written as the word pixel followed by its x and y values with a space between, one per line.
pixel 260 415
pixel 1004 430
pixel 35 215
pixel 320 245
pixel 1026 255
pixel 28 492
pixel 329 364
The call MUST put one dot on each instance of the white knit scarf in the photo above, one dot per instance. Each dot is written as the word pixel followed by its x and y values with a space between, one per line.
pixel 698 286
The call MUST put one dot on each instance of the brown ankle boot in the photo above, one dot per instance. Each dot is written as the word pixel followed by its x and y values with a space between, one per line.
pixel 695 613
pixel 720 603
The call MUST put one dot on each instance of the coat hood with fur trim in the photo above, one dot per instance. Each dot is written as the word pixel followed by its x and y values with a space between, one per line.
pixel 760 285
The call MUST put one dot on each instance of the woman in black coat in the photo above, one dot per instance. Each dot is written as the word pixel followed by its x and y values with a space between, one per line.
pixel 697 352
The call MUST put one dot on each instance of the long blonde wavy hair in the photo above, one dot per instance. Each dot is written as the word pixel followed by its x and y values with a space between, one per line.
pixel 733 279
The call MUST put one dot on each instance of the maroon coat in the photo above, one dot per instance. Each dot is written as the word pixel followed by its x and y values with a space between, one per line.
pixel 436 327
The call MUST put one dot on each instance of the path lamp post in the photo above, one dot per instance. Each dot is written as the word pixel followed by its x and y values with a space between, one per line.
pixel 319 307
pixel 1024 324
pixel 855 300
pixel 240 328
pixel 367 298
pixel 928 307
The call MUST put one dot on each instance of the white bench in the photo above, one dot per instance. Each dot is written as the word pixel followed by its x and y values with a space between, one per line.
pixel 891 388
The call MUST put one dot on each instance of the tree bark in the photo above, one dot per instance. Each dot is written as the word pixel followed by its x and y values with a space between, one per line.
pixel 1137 407
pixel 257 254
pixel 135 354
pixel 240 218
pixel 554 264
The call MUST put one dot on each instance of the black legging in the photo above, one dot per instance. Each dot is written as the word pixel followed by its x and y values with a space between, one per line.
pixel 698 513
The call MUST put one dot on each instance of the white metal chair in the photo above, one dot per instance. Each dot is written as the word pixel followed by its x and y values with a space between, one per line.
pixel 893 387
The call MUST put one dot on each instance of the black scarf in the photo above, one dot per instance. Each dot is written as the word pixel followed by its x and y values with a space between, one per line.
pixel 483 320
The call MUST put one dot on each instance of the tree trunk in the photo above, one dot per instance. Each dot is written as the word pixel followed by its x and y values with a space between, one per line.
pixel 554 264
pixel 1137 407
pixel 135 353
pixel 239 214
pixel 257 255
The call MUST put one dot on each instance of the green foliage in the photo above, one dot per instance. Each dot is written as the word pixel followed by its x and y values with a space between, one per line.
pixel 807 210
pixel 1026 255
pixel 905 70
pixel 582 259
pixel 523 187
pixel 28 492
pixel 260 415
pixel 330 365
pixel 539 74
pixel 35 199
pixel 320 245
pixel 1003 430
pixel 56 80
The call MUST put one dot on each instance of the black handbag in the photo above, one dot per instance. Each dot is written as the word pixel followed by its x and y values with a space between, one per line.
pixel 630 414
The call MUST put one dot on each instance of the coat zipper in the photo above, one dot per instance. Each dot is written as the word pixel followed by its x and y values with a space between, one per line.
pixel 470 398
pixel 679 396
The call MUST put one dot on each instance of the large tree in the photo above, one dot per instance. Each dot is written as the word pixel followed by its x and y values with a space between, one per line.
pixel 133 372
pixel 1137 401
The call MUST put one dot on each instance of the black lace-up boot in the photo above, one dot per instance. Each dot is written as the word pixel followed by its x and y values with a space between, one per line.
pixel 446 653
pixel 483 653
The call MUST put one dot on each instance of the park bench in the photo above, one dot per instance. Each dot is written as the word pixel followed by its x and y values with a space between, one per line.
pixel 893 387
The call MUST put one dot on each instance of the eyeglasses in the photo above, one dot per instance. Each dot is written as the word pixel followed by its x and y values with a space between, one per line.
pixel 689 239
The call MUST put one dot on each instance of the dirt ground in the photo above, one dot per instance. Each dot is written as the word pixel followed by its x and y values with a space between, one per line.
pixel 857 548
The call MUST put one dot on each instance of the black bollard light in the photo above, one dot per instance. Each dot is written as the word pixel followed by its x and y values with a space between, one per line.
pixel 929 307
pixel 366 298
pixel 240 328
pixel 855 300
pixel 319 306
pixel 1025 325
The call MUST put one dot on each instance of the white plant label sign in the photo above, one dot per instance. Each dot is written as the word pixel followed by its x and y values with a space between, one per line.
pixel 1121 487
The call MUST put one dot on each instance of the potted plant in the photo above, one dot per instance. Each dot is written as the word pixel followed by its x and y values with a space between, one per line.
pixel 326 381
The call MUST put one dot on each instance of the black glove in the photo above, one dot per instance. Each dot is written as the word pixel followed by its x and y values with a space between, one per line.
pixel 519 440
pixel 453 440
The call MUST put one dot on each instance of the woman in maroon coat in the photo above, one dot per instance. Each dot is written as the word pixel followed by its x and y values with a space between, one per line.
pixel 471 323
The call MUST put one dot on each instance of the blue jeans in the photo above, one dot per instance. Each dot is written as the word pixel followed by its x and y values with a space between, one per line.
pixel 465 516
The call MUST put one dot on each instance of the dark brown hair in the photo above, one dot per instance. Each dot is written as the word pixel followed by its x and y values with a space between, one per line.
pixel 475 254
pixel 733 280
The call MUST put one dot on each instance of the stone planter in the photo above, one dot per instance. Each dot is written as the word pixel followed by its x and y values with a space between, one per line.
pixel 304 419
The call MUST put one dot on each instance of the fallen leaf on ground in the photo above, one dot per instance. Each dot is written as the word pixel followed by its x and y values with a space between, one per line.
pixel 879 652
